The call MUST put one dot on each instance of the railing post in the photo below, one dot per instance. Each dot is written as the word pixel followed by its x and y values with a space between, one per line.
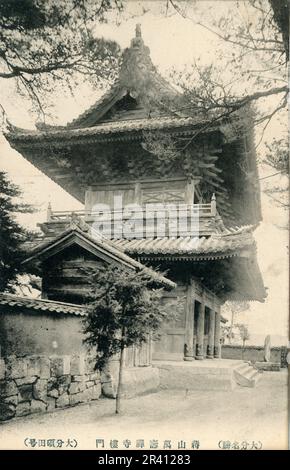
pixel 213 204
pixel 48 213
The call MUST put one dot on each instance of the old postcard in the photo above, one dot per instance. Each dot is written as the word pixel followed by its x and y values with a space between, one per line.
pixel 144 226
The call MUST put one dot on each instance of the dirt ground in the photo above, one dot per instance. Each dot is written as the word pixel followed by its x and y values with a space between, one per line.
pixel 254 416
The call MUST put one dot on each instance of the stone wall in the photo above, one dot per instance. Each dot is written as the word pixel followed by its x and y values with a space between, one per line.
pixel 251 353
pixel 34 384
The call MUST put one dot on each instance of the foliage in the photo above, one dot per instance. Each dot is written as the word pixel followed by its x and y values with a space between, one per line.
pixel 235 306
pixel 244 332
pixel 277 155
pixel 12 235
pixel 48 42
pixel 250 62
pixel 124 310
pixel 253 37
pixel 232 308
pixel 227 334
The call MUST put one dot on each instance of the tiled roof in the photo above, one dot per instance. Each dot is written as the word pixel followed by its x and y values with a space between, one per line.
pixel 97 242
pixel 224 244
pixel 113 93
pixel 42 305
pixel 136 62
pixel 104 129
pixel 228 243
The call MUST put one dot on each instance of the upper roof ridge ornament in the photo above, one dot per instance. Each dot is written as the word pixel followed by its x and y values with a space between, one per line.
pixel 137 40
pixel 138 33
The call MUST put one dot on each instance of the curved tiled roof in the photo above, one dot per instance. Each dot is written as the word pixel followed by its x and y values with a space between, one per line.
pixel 137 73
pixel 112 94
pixel 42 305
pixel 228 243
pixel 103 129
pixel 96 242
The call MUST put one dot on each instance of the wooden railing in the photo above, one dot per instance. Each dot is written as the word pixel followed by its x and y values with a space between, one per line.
pixel 201 210
pixel 149 221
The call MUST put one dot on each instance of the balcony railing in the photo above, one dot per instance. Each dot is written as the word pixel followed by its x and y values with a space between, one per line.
pixel 152 220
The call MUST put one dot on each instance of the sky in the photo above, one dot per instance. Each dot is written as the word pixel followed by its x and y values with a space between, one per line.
pixel 173 42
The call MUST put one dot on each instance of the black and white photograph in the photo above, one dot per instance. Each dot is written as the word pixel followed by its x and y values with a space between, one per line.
pixel 144 209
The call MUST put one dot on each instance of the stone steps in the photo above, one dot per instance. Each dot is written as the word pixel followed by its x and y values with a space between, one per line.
pixel 206 375
pixel 242 367
pixel 246 375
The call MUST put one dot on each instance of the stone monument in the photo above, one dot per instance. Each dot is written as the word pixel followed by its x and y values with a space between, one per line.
pixel 267 348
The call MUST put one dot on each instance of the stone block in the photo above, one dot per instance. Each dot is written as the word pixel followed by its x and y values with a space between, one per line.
pixel 92 393
pixel 77 378
pixel 53 393
pixel 8 388
pixel 39 366
pixel 26 380
pixel 87 395
pixel 96 391
pixel 63 383
pixel 63 401
pixel 78 365
pixel 90 364
pixel 95 376
pixel 109 389
pixel 7 411
pixel 52 383
pixel 40 390
pixel 2 369
pixel 23 408
pixel 90 383
pixel 44 367
pixel 75 399
pixel 106 376
pixel 76 387
pixel 33 365
pixel 59 365
pixel 51 403
pixel 37 406
pixel 13 400
pixel 58 385
pixel 25 392
pixel 16 368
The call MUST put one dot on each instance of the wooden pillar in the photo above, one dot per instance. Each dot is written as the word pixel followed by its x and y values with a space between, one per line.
pixel 189 352
pixel 200 330
pixel 211 333
pixel 217 335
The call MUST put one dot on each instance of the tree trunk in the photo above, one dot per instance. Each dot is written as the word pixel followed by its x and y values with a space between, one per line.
pixel 120 383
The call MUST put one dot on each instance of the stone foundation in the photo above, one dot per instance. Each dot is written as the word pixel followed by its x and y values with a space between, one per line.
pixel 136 380
pixel 197 375
pixel 37 384
pixel 268 366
